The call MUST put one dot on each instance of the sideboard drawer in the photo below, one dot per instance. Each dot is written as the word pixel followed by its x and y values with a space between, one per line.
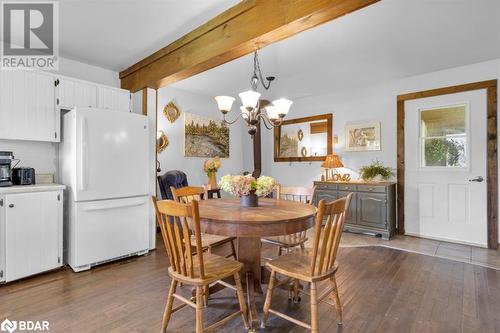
pixel 346 187
pixel 331 187
pixel 371 188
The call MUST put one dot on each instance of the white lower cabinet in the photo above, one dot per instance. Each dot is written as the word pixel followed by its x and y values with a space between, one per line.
pixel 33 230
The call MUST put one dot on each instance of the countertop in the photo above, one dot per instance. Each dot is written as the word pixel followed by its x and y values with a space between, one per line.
pixel 31 188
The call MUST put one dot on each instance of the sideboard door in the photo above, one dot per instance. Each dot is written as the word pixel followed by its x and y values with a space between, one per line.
pixel 351 217
pixel 372 210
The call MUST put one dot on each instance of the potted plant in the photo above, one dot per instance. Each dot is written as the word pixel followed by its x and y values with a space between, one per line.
pixel 375 172
pixel 211 167
pixel 247 188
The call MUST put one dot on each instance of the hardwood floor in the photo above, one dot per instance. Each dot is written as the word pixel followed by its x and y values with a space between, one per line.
pixel 382 290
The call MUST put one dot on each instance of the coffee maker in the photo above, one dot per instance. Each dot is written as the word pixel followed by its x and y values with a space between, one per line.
pixel 6 160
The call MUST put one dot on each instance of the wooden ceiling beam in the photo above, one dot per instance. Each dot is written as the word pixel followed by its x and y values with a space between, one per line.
pixel 249 25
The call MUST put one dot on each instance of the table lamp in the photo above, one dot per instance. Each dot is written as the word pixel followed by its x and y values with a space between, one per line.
pixel 332 162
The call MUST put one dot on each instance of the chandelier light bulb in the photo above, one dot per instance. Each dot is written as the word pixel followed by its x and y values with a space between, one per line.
pixel 249 98
pixel 272 112
pixel 244 112
pixel 225 103
pixel 283 106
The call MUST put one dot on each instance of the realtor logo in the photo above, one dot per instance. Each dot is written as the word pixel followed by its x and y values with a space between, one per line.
pixel 8 326
pixel 30 38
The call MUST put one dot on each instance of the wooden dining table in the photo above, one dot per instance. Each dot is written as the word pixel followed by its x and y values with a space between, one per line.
pixel 226 217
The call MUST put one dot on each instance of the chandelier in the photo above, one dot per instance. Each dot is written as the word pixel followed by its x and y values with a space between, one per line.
pixel 253 109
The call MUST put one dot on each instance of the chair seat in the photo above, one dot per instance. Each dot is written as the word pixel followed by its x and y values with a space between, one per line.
pixel 208 240
pixel 216 268
pixel 297 265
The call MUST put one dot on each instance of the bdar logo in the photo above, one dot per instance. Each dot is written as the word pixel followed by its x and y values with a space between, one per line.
pixel 8 326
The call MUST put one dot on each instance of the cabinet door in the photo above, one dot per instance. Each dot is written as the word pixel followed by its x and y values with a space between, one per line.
pixel 27 106
pixel 372 210
pixel 74 93
pixel 351 217
pixel 33 233
pixel 114 99
pixel 326 195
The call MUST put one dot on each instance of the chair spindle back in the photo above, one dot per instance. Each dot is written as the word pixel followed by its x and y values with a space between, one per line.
pixel 188 193
pixel 300 194
pixel 176 235
pixel 327 239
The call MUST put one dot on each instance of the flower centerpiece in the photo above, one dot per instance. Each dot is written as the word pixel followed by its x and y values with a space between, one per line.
pixel 211 167
pixel 248 188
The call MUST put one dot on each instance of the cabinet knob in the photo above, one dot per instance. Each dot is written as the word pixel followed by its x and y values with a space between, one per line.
pixel 11 206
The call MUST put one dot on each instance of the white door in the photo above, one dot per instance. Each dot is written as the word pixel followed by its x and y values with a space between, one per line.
pixel 112 154
pixel 27 106
pixel 445 167
pixel 33 233
pixel 74 93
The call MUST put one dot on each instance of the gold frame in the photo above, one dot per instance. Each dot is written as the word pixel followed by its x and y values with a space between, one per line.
pixel 171 112
pixel 161 142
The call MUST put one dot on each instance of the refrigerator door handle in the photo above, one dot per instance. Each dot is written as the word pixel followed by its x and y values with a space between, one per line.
pixel 83 156
pixel 114 206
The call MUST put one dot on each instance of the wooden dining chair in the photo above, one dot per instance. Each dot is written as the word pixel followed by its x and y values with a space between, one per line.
pixel 189 193
pixel 198 270
pixel 300 194
pixel 314 265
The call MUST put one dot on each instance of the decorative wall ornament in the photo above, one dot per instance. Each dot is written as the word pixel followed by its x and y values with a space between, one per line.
pixel 362 136
pixel 300 135
pixel 161 141
pixel 205 137
pixel 303 152
pixel 171 111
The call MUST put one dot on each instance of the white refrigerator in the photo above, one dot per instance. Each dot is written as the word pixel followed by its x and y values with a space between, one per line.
pixel 104 164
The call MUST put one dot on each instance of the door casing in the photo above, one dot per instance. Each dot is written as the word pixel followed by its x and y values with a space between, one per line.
pixel 492 157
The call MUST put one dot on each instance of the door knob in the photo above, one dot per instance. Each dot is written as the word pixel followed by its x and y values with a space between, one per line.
pixel 478 179
pixel 11 206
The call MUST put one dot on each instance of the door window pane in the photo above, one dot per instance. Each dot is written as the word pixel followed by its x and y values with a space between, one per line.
pixel 443 137
pixel 443 121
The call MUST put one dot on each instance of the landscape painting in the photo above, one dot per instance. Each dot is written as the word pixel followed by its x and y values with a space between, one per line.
pixel 205 137
pixel 362 137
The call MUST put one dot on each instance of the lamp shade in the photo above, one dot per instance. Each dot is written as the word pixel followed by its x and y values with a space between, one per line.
pixel 332 161
pixel 225 103
pixel 272 112
pixel 249 98
pixel 282 106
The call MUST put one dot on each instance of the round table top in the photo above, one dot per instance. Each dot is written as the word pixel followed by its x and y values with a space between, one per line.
pixel 226 217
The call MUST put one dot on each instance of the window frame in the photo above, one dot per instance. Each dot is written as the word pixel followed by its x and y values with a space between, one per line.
pixel 421 139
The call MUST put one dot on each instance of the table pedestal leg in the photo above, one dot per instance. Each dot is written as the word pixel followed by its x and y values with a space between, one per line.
pixel 249 252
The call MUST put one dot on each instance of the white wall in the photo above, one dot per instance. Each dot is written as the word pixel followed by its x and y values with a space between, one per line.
pixel 172 158
pixel 373 103
pixel 43 156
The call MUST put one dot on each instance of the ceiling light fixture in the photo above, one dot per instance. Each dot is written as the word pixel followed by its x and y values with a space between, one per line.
pixel 254 109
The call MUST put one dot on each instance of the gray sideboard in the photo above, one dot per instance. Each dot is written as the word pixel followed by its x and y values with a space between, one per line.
pixel 373 206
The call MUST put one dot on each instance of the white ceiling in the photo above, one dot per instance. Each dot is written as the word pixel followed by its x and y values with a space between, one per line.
pixel 388 40
pixel 115 34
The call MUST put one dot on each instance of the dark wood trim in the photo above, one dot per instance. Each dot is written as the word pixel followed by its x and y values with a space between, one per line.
pixel 277 133
pixel 145 101
pixel 257 152
pixel 247 26
pixel 492 155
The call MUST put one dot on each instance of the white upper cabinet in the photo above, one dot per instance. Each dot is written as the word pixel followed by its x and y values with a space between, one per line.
pixel 75 93
pixel 27 106
pixel 113 99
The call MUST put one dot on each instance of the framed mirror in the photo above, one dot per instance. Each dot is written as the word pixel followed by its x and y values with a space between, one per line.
pixel 161 141
pixel 304 139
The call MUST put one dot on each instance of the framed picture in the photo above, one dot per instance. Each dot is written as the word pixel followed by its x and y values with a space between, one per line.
pixel 362 137
pixel 205 137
